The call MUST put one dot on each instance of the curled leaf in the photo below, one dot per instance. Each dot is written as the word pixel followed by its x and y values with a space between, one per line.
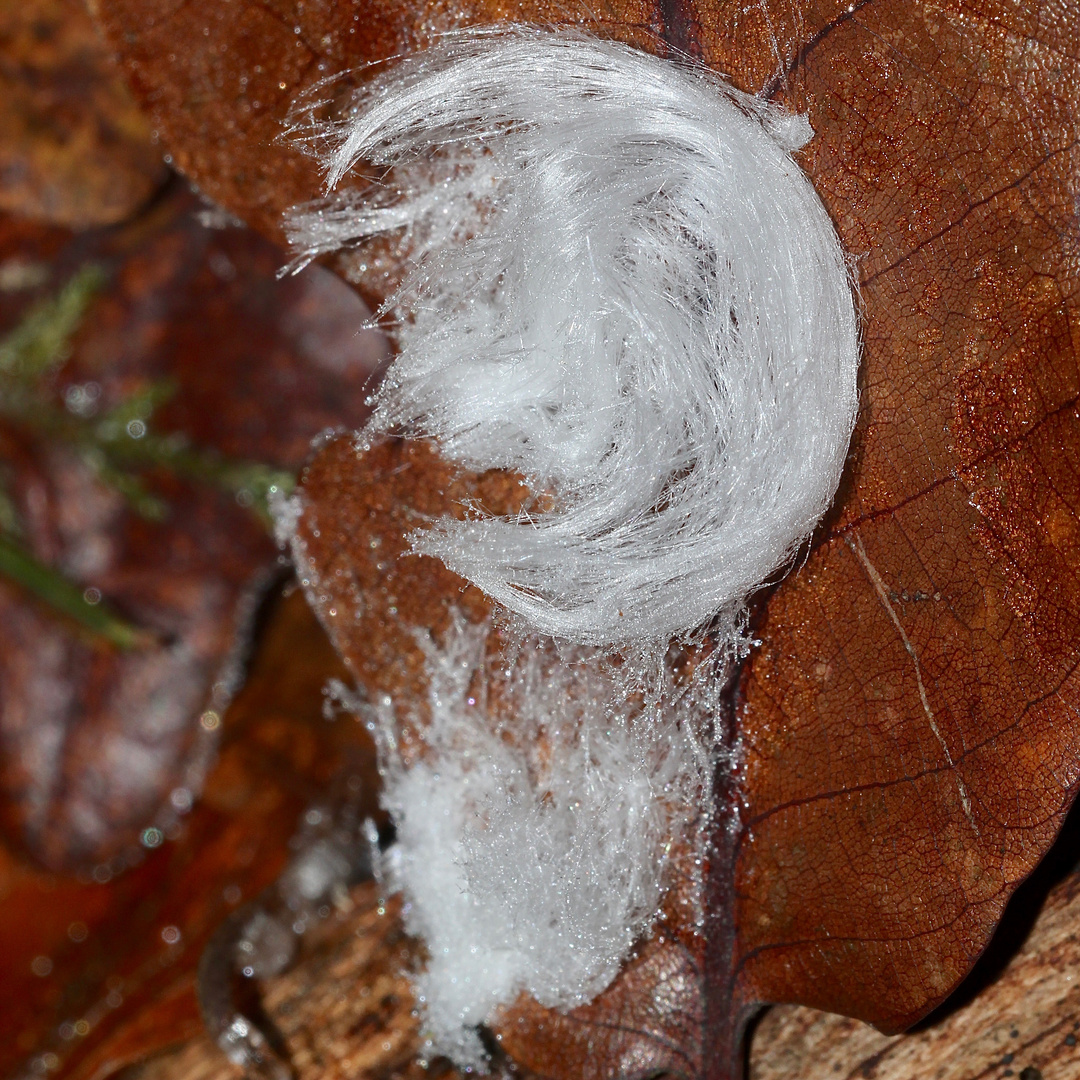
pixel 121 495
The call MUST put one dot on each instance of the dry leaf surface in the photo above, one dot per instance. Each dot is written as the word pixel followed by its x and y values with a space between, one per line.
pixel 1026 1023
pixel 74 148
pixel 927 648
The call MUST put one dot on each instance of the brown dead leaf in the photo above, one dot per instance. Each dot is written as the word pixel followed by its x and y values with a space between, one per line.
pixel 94 740
pixel 1026 1024
pixel 100 958
pixel 218 83
pixel 911 718
pixel 648 1022
pixel 74 148
pixel 370 594
pixel 909 721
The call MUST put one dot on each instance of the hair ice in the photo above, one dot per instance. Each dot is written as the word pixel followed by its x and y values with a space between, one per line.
pixel 533 854
pixel 624 288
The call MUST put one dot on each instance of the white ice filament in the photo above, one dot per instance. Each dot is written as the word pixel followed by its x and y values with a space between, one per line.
pixel 625 289
pixel 534 854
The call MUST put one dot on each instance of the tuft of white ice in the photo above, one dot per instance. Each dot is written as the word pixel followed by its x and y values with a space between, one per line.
pixel 534 853
pixel 624 288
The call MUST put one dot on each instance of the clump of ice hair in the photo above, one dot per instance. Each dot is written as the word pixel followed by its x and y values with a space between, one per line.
pixel 533 855
pixel 625 289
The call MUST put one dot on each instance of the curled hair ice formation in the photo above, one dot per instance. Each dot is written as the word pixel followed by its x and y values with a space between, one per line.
pixel 624 288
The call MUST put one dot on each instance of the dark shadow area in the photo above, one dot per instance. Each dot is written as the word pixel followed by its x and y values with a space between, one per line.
pixel 748 1037
pixel 1020 915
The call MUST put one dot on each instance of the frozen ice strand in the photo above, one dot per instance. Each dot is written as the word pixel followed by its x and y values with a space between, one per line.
pixel 625 289
pixel 533 855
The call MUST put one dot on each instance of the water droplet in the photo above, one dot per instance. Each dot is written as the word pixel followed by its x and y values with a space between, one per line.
pixel 82 398
pixel 181 799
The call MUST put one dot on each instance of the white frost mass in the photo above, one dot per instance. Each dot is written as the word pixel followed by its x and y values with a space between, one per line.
pixel 625 289
pixel 533 855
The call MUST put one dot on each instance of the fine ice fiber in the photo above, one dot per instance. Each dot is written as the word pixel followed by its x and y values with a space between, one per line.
pixel 623 287
pixel 533 854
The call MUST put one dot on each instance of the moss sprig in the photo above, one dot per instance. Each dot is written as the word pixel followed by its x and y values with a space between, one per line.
pixel 119 445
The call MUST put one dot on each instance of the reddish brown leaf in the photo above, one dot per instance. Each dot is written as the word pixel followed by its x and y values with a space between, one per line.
pixel 368 591
pixel 648 1022
pixel 218 83
pixel 95 740
pixel 74 149
pixel 108 963
pixel 909 721
pixel 1026 1022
